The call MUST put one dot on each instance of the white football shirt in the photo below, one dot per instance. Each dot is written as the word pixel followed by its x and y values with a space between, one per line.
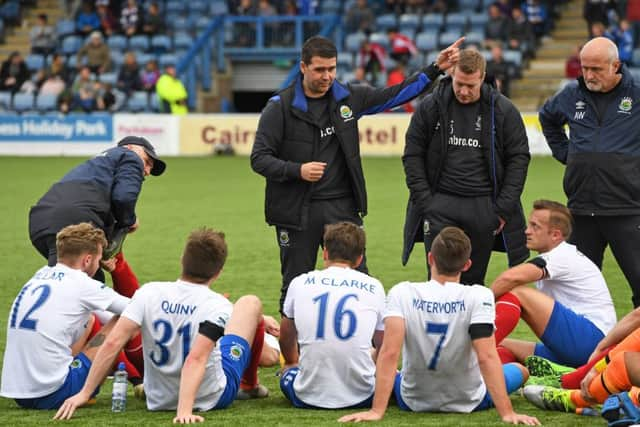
pixel 440 369
pixel 48 315
pixel 169 315
pixel 577 283
pixel 336 311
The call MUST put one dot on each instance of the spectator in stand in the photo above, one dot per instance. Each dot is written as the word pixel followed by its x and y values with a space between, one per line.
pixel 106 99
pixel 153 21
pixel 87 20
pixel 43 36
pixel 108 22
pixel 538 15
pixel 129 18
pixel 520 33
pixel 129 76
pixel 599 30
pixel 97 54
pixel 66 102
pixel 499 69
pixel 58 67
pixel 244 33
pixel 85 90
pixel 437 6
pixel 360 17
pixel 171 92
pixel 622 36
pixel 573 68
pixel 13 73
pixel 150 75
pixel 266 10
pixel 396 76
pixel 287 29
pixel 52 85
pixel 495 30
pixel 597 11
pixel 633 16
pixel 372 57
pixel 360 77
pixel 402 47
pixel 505 7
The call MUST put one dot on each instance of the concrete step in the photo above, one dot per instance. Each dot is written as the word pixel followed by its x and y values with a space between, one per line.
pixel 547 74
pixel 565 33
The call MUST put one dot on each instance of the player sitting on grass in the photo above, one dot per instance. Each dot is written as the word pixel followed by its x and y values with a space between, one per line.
pixel 445 332
pixel 47 357
pixel 181 322
pixel 332 315
pixel 570 311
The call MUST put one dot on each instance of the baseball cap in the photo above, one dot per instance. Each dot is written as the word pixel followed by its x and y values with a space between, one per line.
pixel 158 165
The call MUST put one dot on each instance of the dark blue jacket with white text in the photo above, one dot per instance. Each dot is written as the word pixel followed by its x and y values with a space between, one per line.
pixel 602 154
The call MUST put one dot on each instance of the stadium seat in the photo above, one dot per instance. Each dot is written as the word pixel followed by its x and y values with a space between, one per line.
pixel 179 23
pixel 380 38
pixel 198 7
pixel 448 37
pixel 330 7
pixel 137 102
pixel 117 42
pixel 160 43
pixel 218 8
pixel 353 41
pixel 23 102
pixel 456 22
pixel 117 59
pixel 409 21
pixel 432 22
pixel 409 32
pixel 345 61
pixel 71 45
pixel 514 56
pixel 139 43
pixel 5 100
pixel 427 40
pixel 65 27
pixel 35 62
pixel 46 102
pixel 167 58
pixel 384 22
pixel 175 7
pixel 10 12
pixel 469 5
pixel 142 58
pixel 182 41
pixel 202 22
pixel 474 37
pixel 478 19
pixel 154 102
pixel 72 61
pixel 110 78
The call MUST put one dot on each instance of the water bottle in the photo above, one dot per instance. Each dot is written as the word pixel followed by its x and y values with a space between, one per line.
pixel 119 394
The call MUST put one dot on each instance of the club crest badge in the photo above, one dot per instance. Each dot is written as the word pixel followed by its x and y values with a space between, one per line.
pixel 625 104
pixel 283 238
pixel 346 112
pixel 235 352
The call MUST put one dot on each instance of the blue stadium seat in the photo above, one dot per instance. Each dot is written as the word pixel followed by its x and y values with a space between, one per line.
pixel 175 7
pixel 198 7
pixel 353 41
pixel 182 41
pixel 427 40
pixel 154 102
pixel 117 59
pixel 330 7
pixel 35 62
pixel 478 19
pixel 71 45
pixel 167 58
pixel 380 38
pixel 110 78
pixel 432 22
pixel 139 42
pixel 138 102
pixel 384 22
pixel 409 21
pixel 72 61
pixel 469 5
pixel 448 37
pixel 345 61
pixel 513 56
pixel 5 100
pixel 179 23
pixel 456 22
pixel 218 8
pixel 65 27
pixel 117 42
pixel 202 22
pixel 10 12
pixel 46 102
pixel 142 58
pixel 23 102
pixel 409 32
pixel 474 37
pixel 160 43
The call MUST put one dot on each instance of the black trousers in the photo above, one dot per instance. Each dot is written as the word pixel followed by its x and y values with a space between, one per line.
pixel 299 249
pixel 476 217
pixel 592 234
pixel 46 246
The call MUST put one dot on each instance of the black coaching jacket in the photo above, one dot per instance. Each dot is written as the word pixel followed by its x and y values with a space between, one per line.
pixel 288 136
pixel 506 151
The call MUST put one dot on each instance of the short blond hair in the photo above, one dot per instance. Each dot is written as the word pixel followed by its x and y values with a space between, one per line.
pixel 471 61
pixel 78 239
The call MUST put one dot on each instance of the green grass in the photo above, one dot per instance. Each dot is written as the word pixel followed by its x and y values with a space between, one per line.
pixel 225 194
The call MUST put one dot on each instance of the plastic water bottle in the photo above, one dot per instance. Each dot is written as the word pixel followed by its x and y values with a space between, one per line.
pixel 119 394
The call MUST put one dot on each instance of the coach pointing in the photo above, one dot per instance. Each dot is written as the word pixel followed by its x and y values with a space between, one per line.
pixel 307 148
pixel 103 191
pixel 602 157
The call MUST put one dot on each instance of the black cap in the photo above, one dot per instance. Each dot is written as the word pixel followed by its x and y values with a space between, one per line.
pixel 158 165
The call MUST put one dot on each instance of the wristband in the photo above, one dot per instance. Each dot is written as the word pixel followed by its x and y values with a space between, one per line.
pixel 433 71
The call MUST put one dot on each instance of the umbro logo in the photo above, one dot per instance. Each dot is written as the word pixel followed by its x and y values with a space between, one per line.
pixel 580 105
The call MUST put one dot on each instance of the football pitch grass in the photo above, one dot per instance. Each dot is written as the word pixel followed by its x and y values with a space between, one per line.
pixel 223 193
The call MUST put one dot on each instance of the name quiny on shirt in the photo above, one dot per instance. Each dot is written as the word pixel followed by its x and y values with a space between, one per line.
pixel 328 131
pixel 177 308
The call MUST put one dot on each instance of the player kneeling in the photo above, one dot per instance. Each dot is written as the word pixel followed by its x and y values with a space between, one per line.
pixel 181 322
pixel 450 363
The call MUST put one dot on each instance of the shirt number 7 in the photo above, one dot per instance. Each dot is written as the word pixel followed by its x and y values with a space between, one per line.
pixel 437 329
